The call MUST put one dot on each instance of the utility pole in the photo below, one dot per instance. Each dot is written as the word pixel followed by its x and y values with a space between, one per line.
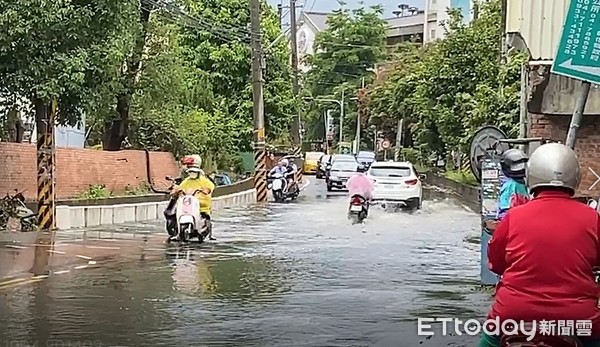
pixel 294 38
pixel 358 118
pixel 398 149
pixel 578 114
pixel 296 136
pixel 260 160
pixel 46 164
pixel 342 117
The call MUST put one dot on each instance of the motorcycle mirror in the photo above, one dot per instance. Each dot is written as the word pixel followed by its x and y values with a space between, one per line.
pixel 169 178
pixel 593 204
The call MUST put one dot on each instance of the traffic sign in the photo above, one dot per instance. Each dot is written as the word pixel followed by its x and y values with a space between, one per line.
pixel 578 53
pixel 385 144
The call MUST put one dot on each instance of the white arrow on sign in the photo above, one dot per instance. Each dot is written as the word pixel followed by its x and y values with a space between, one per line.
pixel 592 70
pixel 597 179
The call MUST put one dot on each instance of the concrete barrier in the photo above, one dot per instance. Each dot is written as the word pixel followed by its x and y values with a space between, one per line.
pixel 469 195
pixel 81 215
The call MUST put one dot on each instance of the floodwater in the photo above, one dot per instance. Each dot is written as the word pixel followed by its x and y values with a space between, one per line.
pixel 294 274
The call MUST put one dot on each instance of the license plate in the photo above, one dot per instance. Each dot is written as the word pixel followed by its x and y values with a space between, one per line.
pixel 355 208
pixel 389 186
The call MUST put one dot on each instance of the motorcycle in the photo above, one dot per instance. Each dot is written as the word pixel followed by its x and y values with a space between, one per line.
pixel 520 340
pixel 278 183
pixel 359 209
pixel 183 217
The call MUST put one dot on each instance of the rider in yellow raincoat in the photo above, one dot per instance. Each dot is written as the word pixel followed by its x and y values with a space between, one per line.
pixel 197 180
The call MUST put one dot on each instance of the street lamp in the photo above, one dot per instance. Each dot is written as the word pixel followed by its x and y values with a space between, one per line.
pixel 340 103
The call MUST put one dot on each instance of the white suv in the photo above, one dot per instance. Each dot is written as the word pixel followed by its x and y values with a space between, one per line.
pixel 396 183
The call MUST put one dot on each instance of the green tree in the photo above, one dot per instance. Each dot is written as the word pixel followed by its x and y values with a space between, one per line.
pixel 59 49
pixel 455 85
pixel 345 54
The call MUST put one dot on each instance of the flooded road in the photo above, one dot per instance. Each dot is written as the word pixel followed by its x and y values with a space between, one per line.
pixel 279 275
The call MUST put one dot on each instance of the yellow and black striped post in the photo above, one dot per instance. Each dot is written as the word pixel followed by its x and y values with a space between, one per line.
pixel 260 172
pixel 45 164
pixel 298 154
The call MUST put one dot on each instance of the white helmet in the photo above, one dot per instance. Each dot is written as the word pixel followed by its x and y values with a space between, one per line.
pixel 284 162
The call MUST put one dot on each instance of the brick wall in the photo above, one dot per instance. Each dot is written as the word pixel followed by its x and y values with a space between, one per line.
pixel 587 147
pixel 78 169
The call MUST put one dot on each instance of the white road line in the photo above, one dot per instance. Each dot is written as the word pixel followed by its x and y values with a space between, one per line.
pixel 80 267
pixel 61 272
pixel 15 247
pixel 102 247
pixel 83 257
pixel 57 252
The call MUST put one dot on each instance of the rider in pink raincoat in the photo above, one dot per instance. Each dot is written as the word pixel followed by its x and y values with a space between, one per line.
pixel 360 184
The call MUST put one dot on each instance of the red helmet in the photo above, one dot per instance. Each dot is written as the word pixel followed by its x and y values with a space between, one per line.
pixel 187 160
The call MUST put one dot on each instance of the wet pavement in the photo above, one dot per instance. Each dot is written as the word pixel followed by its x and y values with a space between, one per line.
pixel 295 274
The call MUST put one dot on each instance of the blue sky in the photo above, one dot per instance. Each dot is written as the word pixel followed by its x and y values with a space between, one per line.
pixel 328 5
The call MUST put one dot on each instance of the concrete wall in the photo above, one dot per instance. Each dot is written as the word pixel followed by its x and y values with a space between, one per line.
pixel 78 169
pixel 68 217
pixel 468 195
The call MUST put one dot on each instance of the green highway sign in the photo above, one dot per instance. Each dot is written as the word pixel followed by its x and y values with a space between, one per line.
pixel 578 54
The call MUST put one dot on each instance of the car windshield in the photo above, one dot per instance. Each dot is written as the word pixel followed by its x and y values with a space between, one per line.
pixel 390 171
pixel 347 166
pixel 313 156
pixel 346 158
pixel 325 158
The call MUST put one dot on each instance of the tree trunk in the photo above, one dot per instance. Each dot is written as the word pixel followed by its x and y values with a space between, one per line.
pixel 116 130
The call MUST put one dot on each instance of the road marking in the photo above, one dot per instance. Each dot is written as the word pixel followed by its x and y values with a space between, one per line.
pixel 57 252
pixel 80 267
pixel 15 247
pixel 102 247
pixel 597 179
pixel 83 257
pixel 306 185
pixel 61 272
pixel 21 281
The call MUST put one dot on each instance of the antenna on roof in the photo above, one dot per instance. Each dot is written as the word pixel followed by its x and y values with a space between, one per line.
pixel 403 7
pixel 397 13
pixel 413 10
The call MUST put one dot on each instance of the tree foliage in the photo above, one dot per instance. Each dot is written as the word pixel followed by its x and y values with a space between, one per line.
pixel 448 89
pixel 165 78
pixel 345 53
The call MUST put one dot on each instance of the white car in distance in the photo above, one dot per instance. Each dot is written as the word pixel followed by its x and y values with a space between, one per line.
pixel 396 183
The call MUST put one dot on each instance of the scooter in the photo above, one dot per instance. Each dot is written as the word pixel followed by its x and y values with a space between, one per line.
pixel 180 209
pixel 359 209
pixel 190 223
pixel 278 184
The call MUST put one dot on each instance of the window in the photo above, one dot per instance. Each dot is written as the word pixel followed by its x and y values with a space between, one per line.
pixel 432 34
pixel 390 171
pixel 346 166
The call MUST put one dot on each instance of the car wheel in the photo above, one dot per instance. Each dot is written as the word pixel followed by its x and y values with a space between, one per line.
pixel 329 188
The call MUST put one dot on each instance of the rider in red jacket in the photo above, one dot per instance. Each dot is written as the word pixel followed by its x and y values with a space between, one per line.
pixel 545 250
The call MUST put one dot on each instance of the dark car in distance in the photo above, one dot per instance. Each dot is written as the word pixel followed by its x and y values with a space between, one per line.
pixel 339 172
